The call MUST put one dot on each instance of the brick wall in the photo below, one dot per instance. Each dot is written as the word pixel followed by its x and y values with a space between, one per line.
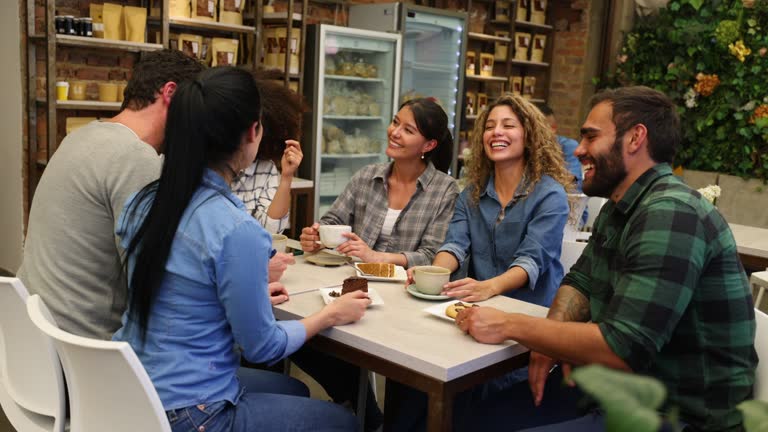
pixel 574 57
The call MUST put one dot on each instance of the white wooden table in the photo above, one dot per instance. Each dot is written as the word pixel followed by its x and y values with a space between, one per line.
pixel 752 244
pixel 403 343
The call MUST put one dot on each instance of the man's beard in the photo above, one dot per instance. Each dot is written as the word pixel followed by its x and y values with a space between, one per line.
pixel 607 172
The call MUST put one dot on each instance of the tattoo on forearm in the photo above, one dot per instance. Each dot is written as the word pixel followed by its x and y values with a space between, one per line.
pixel 569 305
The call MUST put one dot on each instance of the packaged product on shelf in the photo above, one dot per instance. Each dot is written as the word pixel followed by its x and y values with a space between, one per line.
pixel 282 41
pixel 231 11
pixel 482 102
pixel 121 90
pixel 529 87
pixel 176 8
pixel 191 45
pixel 500 48
pixel 204 10
pixel 112 15
pixel 539 11
pixel 271 47
pixel 516 85
pixel 537 50
pixel 224 52
pixel 471 60
pixel 77 122
pixel 486 64
pixel 501 11
pixel 522 44
pixel 77 90
pixel 107 92
pixel 205 51
pixel 523 6
pixel 135 22
pixel 173 41
pixel 471 104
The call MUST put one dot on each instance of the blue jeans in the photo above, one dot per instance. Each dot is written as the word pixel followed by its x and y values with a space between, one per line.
pixel 268 401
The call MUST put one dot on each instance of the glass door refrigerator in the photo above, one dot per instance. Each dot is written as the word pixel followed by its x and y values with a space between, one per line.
pixel 434 48
pixel 351 85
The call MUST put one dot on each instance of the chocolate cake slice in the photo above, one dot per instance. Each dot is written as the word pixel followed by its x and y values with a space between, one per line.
pixel 354 283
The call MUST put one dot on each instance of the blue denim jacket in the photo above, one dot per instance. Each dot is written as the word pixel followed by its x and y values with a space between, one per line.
pixel 530 236
pixel 212 304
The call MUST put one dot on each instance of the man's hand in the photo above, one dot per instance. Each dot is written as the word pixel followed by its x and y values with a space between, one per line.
pixel 485 324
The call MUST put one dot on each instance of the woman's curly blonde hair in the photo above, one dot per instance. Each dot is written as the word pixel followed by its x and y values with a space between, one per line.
pixel 542 153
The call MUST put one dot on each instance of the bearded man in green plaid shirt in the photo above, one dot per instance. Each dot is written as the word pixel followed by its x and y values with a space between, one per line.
pixel 659 289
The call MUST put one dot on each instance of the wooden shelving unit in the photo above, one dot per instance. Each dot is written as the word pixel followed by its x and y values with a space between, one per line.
pixel 90 42
pixel 89 105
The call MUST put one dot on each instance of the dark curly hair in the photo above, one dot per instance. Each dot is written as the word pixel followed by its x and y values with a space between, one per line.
pixel 281 111
pixel 152 72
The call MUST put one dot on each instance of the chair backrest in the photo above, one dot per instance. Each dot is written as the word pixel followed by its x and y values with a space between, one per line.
pixel 108 387
pixel 594 204
pixel 30 373
pixel 570 253
pixel 761 346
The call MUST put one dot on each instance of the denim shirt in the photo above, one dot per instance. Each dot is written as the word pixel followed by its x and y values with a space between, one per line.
pixel 212 304
pixel 530 236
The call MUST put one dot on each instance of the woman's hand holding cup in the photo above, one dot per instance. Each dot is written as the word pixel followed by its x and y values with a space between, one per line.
pixel 310 238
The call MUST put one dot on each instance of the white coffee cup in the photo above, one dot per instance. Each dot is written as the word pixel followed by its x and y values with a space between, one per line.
pixel 331 235
pixel 279 242
pixel 430 279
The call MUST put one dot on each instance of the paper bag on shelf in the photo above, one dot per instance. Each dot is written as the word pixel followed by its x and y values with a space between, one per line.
pixel 500 49
pixel 523 6
pixel 537 50
pixel 501 11
pixel 516 85
pixel 539 11
pixel 471 104
pixel 191 45
pixel 135 23
pixel 224 52
pixel 179 8
pixel 482 102
pixel 271 47
pixel 96 11
pixel 471 61
pixel 74 123
pixel 529 87
pixel 204 10
pixel 522 44
pixel 231 11
pixel 112 15
pixel 486 65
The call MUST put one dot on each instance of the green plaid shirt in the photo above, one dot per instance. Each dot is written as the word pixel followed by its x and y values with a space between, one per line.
pixel 667 288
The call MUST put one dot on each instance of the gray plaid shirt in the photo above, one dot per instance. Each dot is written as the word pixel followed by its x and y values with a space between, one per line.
pixel 421 227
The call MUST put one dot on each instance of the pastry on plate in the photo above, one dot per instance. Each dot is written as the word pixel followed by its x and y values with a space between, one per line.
pixel 454 308
pixel 377 269
pixel 351 284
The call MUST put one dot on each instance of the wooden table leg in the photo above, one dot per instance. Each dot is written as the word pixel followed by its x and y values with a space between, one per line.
pixel 440 410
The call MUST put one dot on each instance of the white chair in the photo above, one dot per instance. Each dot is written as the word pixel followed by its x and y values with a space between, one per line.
pixel 759 281
pixel 109 390
pixel 594 204
pixel 31 380
pixel 761 346
pixel 570 253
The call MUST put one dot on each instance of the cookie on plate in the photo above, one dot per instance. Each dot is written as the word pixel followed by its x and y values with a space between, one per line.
pixel 454 308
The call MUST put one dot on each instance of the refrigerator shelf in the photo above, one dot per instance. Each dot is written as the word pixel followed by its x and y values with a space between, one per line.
pixel 353 78
pixel 431 67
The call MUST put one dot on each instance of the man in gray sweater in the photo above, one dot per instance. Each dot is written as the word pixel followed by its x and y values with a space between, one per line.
pixel 71 254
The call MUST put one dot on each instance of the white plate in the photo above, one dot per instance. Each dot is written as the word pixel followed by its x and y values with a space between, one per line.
pixel 400 275
pixel 324 259
pixel 416 293
pixel 438 310
pixel 376 299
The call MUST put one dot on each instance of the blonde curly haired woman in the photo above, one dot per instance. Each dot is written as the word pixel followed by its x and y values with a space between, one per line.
pixel 508 224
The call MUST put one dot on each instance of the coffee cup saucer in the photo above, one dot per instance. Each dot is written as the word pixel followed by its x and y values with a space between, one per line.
pixel 416 293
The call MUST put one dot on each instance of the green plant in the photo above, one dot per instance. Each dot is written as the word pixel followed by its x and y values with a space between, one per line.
pixel 710 57
pixel 631 402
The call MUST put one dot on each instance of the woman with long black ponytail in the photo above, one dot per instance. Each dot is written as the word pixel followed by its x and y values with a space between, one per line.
pixel 199 296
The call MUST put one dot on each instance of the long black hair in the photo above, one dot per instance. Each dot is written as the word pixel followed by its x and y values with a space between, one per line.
pixel 432 122
pixel 207 120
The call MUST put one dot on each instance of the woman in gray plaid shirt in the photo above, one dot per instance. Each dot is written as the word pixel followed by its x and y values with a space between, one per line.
pixel 399 211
